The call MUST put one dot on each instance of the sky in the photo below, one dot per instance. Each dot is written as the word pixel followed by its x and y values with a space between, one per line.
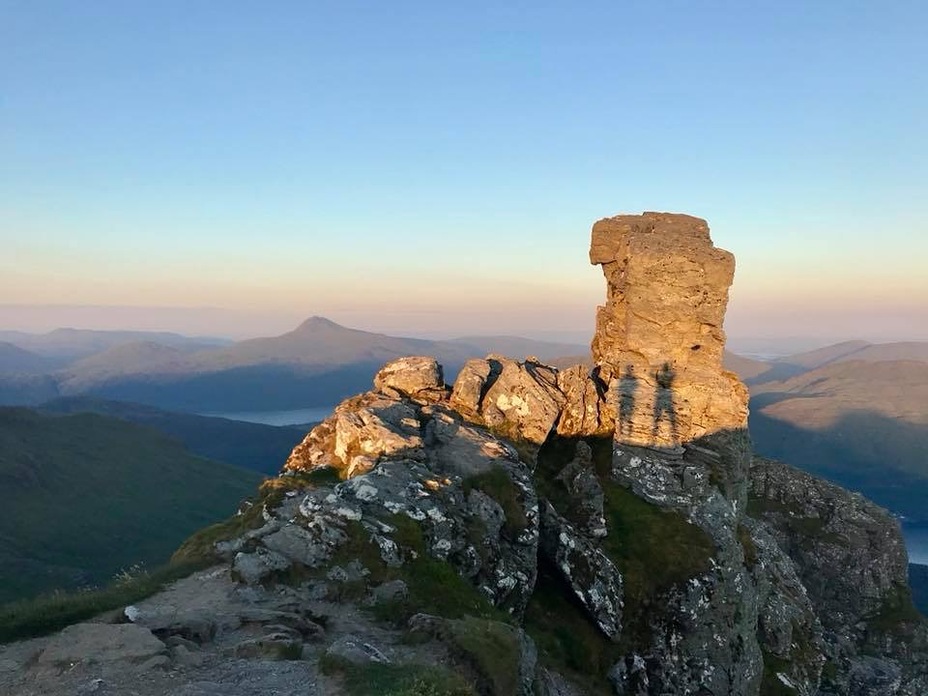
pixel 230 168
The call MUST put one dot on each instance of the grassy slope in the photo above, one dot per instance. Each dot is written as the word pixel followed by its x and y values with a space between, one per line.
pixel 84 496
pixel 262 448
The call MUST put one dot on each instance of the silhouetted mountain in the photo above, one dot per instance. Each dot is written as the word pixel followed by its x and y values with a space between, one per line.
pixel 319 342
pixel 15 360
pixel 86 495
pixel 262 448
pixel 822 356
pixel 126 358
pixel 316 364
pixel 68 345
pixel 790 366
pixel 746 368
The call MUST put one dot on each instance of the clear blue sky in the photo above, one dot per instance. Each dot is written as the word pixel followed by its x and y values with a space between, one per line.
pixel 437 166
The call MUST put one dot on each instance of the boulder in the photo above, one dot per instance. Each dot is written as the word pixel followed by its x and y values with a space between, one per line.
pixel 465 491
pixel 353 650
pixel 102 643
pixel 417 377
pixel 471 384
pixel 518 399
pixel 360 431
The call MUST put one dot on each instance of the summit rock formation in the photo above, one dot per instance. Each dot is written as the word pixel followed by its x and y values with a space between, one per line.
pixel 659 339
pixel 549 532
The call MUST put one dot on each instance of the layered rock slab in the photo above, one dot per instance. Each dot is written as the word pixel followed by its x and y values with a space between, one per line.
pixel 659 338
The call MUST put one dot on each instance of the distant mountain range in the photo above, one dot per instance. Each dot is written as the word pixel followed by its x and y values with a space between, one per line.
pixel 15 360
pixel 855 412
pixel 67 345
pixel 317 364
pixel 86 495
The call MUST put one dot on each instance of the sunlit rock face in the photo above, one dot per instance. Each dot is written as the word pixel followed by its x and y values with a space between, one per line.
pixel 659 338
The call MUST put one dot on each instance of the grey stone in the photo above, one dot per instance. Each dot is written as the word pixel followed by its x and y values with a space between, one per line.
pixel 282 645
pixel 356 651
pixel 390 592
pixel 416 377
pixel 252 568
pixel 102 643
pixel 592 577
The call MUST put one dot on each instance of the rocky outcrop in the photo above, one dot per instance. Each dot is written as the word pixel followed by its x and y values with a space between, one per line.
pixel 555 532
pixel 593 578
pixel 659 338
pixel 849 556
pixel 417 377
pixel 722 602
pixel 587 410
pixel 466 493
pixel 519 399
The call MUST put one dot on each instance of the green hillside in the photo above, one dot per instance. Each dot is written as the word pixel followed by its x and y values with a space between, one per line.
pixel 263 448
pixel 84 496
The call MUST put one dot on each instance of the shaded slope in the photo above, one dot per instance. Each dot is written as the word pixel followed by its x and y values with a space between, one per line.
pixel 822 356
pixel 126 358
pixel 746 368
pixel 84 496
pixel 861 424
pixel 262 448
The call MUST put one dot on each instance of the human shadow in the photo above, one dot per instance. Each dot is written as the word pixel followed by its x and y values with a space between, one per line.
pixel 628 389
pixel 663 401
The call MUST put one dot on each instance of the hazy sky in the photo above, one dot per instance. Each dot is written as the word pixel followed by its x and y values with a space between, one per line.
pixel 436 167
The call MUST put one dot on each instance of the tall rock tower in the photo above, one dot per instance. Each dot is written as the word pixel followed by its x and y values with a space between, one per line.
pixel 659 339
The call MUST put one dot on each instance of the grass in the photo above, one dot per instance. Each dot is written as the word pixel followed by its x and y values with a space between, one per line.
pixel 897 613
pixel 566 638
pixel 497 484
pixel 807 530
pixel 84 495
pixel 377 679
pixel 493 649
pixel 434 586
pixel 45 614
pixel 770 684
pixel 654 549
pixel 804 651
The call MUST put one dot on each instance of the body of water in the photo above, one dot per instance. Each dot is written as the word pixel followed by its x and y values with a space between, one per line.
pixel 298 416
pixel 916 541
